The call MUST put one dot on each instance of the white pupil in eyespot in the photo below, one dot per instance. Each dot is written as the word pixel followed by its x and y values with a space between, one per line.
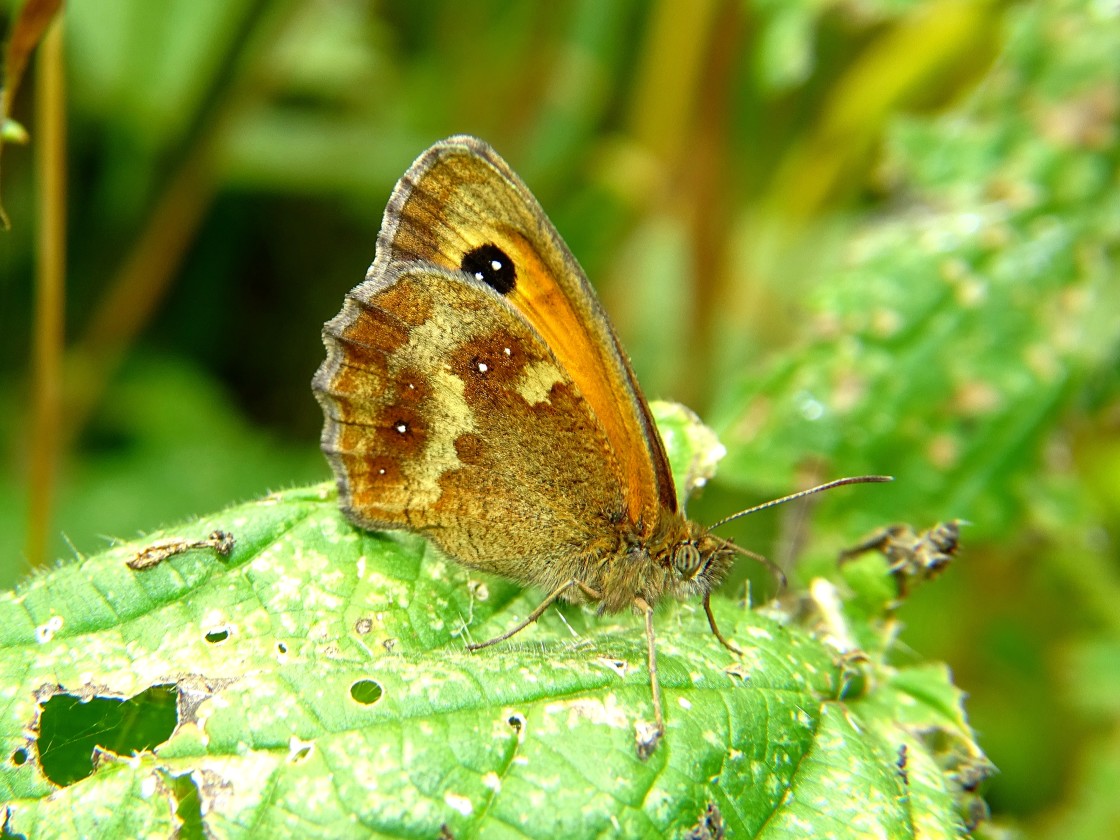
pixel 495 266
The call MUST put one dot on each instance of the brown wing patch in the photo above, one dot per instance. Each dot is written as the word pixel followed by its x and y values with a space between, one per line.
pixel 471 449
pixel 488 363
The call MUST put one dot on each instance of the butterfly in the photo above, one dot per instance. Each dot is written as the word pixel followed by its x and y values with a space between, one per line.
pixel 474 392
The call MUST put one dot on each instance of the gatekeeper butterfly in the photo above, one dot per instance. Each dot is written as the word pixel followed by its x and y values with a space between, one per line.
pixel 475 393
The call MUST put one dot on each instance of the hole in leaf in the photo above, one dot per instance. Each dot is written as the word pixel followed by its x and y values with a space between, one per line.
pixel 299 750
pixel 5 832
pixel 217 636
pixel 366 692
pixel 189 808
pixel 19 757
pixel 70 729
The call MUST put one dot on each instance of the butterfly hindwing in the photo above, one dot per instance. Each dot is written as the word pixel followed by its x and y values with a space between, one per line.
pixel 445 413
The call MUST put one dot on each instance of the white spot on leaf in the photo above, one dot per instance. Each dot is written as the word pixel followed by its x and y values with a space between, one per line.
pixel 45 632
pixel 459 803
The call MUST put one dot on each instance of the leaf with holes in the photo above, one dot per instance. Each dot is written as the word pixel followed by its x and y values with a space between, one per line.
pixel 272 671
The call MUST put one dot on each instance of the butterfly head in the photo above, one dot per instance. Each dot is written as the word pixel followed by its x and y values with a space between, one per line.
pixel 694 561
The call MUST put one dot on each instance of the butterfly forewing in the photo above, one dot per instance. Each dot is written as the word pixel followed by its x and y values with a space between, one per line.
pixel 458 201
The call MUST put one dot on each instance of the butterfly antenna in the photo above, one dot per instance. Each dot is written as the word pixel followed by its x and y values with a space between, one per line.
pixel 840 482
pixel 773 567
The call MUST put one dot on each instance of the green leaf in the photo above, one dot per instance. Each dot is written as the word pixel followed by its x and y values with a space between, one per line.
pixel 323 688
pixel 694 450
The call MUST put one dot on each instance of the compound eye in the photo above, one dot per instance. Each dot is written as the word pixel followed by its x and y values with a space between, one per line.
pixel 686 560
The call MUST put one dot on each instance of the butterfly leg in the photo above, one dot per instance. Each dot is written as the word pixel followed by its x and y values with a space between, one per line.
pixel 723 640
pixel 592 594
pixel 647 741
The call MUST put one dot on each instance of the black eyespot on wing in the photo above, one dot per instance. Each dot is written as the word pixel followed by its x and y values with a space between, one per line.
pixel 492 266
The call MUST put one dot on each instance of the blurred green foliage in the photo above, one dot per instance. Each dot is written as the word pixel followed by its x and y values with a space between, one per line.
pixel 855 235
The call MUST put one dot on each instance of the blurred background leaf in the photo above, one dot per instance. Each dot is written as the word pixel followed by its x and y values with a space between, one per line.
pixel 854 235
